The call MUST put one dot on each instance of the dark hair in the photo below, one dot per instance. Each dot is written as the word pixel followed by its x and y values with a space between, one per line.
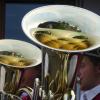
pixel 93 55
pixel 95 60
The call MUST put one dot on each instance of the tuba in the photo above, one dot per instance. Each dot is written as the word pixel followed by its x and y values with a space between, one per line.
pixel 13 57
pixel 59 66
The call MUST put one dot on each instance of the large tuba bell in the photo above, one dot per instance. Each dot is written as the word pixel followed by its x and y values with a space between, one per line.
pixel 59 63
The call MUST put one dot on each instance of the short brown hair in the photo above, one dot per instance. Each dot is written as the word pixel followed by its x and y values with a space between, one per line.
pixel 94 56
pixel 94 59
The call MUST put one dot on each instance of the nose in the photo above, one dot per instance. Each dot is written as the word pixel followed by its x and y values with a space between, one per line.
pixel 79 65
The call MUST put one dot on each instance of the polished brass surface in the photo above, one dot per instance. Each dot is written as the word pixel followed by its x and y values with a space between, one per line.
pixel 10 78
pixel 55 74
pixel 6 96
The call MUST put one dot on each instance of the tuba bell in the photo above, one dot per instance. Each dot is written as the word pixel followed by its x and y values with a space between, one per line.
pixel 59 65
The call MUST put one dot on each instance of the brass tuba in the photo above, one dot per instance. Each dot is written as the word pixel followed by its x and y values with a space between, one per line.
pixel 59 65
pixel 11 72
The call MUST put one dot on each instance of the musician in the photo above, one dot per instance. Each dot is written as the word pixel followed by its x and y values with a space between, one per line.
pixel 89 73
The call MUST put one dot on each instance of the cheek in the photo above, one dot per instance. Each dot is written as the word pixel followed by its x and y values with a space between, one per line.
pixel 88 76
pixel 85 72
pixel 88 73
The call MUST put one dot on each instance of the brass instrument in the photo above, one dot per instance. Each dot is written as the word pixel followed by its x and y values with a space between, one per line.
pixel 59 66
pixel 7 96
pixel 13 52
